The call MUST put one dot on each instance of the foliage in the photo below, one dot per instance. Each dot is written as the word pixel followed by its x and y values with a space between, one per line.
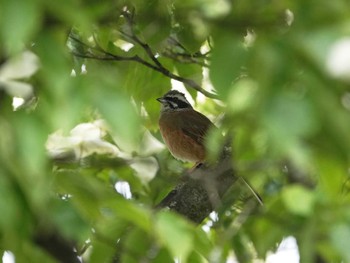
pixel 272 91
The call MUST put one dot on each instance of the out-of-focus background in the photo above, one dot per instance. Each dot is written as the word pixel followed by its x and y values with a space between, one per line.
pixel 82 163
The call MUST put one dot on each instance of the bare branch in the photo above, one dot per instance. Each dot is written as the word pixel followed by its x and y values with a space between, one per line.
pixel 185 58
pixel 201 190
pixel 155 64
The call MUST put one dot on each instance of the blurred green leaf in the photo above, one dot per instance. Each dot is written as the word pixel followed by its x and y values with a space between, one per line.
pixel 196 258
pixel 242 95
pixel 175 233
pixel 191 71
pixel 265 227
pixel 279 104
pixel 203 244
pixel 163 256
pixel 119 112
pixel 190 39
pixel 146 92
pixel 9 204
pixel 340 235
pixel 137 244
pixel 69 221
pixel 18 22
pixel 133 213
pixel 298 200
pixel 102 251
pixel 31 136
pixel 289 119
pixel 332 176
pixel 86 191
pixel 155 24
pixel 214 143
pixel 65 12
pixel 228 59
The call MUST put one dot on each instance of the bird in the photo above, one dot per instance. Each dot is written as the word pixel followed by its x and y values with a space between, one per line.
pixel 183 129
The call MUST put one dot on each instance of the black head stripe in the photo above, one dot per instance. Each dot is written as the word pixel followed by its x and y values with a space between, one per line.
pixel 175 100
pixel 181 104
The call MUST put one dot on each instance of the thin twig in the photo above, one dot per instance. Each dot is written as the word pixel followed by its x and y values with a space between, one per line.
pixel 156 65
pixel 135 58
pixel 184 58
pixel 137 40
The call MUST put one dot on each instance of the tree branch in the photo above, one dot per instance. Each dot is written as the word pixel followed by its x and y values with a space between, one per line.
pixel 177 52
pixel 58 247
pixel 138 41
pixel 155 64
pixel 201 190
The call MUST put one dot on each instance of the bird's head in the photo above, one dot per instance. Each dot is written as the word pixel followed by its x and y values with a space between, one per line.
pixel 174 100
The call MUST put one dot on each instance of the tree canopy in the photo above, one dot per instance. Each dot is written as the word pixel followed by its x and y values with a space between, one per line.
pixel 84 175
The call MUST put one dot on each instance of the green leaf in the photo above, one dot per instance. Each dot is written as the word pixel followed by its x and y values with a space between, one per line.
pixel 119 112
pixel 190 71
pixel 163 256
pixel 87 191
pixel 202 243
pixel 332 173
pixel 31 136
pixel 154 23
pixel 282 114
pixel 340 236
pixel 196 258
pixel 102 251
pixel 289 121
pixel 69 221
pixel 228 58
pixel 136 245
pixel 241 248
pixel 145 85
pixel 298 200
pixel 214 142
pixel 175 233
pixel 133 213
pixel 9 204
pixel 18 21
pixel 271 232
pixel 242 95
pixel 192 41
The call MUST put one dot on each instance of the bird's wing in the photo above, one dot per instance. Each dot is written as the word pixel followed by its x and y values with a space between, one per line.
pixel 196 126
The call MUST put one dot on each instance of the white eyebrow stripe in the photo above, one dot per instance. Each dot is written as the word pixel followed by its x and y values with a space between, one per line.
pixel 179 97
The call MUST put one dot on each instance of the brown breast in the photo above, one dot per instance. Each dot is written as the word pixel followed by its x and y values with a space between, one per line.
pixel 183 132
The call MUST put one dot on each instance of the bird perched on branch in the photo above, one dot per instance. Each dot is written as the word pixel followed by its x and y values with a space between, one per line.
pixel 183 129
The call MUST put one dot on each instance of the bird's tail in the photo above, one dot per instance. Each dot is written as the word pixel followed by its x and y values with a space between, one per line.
pixel 255 193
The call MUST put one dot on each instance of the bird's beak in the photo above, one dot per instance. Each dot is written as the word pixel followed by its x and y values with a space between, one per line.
pixel 161 100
